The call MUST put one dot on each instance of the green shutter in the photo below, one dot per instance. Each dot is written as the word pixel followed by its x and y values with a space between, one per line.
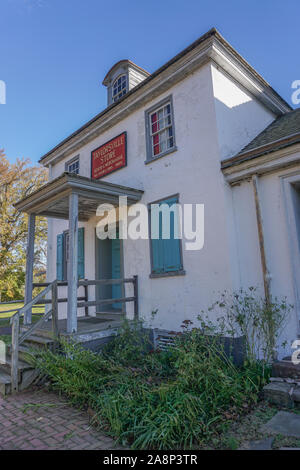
pixel 171 247
pixel 157 256
pixel 157 251
pixel 60 257
pixel 81 253
pixel 166 254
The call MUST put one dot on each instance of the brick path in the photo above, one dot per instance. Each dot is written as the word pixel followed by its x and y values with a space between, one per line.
pixel 52 425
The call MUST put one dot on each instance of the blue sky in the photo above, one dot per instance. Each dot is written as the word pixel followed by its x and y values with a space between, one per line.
pixel 55 53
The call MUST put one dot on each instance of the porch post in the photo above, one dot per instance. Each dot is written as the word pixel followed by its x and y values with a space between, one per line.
pixel 73 264
pixel 29 266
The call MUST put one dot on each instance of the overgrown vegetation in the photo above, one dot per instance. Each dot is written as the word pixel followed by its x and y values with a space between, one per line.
pixel 244 313
pixel 185 397
pixel 172 399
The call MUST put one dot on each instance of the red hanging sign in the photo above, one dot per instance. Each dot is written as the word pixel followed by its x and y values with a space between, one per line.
pixel 109 157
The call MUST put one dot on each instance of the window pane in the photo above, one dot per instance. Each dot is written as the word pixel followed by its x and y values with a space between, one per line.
pixel 154 117
pixel 163 146
pixel 154 128
pixel 170 143
pixel 160 114
pixel 119 88
pixel 161 130
pixel 156 150
pixel 74 167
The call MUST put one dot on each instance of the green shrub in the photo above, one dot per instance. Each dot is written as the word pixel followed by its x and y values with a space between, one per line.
pixel 154 399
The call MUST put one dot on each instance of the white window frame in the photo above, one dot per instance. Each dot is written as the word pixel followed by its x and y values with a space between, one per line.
pixel 123 91
pixel 71 162
pixel 149 134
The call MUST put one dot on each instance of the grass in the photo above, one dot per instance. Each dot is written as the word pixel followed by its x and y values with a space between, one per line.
pixel 6 320
pixel 5 307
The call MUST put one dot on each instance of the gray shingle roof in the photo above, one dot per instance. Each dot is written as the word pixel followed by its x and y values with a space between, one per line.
pixel 284 126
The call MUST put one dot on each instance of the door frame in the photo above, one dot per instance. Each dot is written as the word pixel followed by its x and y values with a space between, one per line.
pixel 289 184
pixel 99 274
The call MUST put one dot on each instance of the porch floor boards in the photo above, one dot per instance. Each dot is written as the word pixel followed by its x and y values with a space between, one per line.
pixel 86 324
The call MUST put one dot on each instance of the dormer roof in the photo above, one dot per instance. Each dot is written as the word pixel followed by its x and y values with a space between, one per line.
pixel 122 63
pixel 121 78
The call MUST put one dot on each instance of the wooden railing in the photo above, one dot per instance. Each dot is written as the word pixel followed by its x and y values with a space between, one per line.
pixel 102 282
pixel 18 339
pixel 82 302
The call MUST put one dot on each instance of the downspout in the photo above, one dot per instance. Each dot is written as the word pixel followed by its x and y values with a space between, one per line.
pixel 265 272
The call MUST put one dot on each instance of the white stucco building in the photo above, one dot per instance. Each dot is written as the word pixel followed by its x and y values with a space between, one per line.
pixel 207 129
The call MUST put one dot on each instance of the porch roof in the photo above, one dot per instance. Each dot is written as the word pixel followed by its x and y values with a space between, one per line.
pixel 52 199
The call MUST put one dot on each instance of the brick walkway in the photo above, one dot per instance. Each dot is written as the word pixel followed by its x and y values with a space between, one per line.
pixel 42 420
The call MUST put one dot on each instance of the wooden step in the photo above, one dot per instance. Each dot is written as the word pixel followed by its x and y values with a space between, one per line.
pixel 24 352
pixel 39 332
pixel 5 383
pixel 38 342
pixel 22 366
pixel 27 374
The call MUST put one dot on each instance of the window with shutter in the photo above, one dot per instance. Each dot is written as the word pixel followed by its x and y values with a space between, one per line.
pixel 166 252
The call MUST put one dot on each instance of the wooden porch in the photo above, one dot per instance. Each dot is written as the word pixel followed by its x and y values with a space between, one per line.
pixel 49 328
pixel 90 329
pixel 73 198
pixel 86 325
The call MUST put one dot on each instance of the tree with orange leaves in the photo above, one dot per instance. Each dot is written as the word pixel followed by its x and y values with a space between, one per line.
pixel 18 180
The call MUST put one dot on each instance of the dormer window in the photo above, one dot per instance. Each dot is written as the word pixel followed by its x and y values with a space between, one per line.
pixel 119 87
pixel 121 78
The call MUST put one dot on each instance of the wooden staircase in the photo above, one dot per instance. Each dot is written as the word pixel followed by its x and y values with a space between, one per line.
pixel 16 372
pixel 26 372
